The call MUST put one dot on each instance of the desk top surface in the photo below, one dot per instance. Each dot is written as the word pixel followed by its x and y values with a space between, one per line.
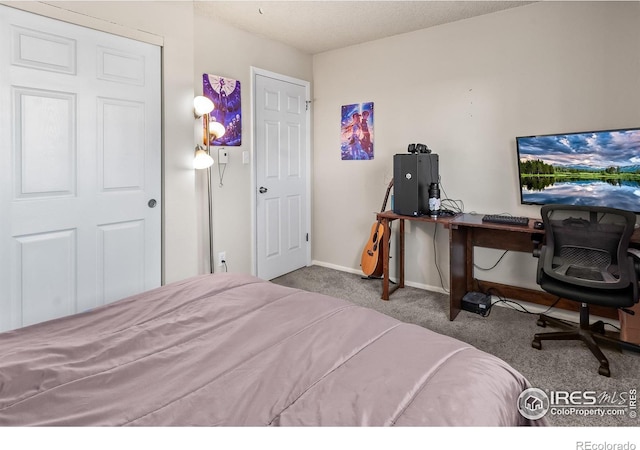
pixel 475 221
pixel 465 219
pixel 393 216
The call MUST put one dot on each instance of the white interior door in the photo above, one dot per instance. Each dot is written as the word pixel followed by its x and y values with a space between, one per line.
pixel 282 178
pixel 80 153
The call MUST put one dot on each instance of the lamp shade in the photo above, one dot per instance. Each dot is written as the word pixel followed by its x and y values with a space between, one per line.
pixel 202 105
pixel 202 159
pixel 216 128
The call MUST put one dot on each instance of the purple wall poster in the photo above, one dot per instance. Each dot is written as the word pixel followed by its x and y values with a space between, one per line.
pixel 356 139
pixel 225 95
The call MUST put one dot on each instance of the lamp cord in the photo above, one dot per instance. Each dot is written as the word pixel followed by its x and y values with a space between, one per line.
pixel 221 173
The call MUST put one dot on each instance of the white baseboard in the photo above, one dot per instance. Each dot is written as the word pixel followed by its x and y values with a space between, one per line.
pixel 426 287
pixel 531 307
pixel 334 266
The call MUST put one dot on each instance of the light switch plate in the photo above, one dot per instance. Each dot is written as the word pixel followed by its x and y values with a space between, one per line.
pixel 223 156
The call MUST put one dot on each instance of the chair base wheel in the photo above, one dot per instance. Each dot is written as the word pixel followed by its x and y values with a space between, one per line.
pixel 604 371
pixel 536 344
pixel 541 323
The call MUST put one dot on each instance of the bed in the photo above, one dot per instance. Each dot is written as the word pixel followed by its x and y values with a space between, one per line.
pixel 235 350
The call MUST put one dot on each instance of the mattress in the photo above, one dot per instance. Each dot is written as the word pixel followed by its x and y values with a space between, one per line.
pixel 235 350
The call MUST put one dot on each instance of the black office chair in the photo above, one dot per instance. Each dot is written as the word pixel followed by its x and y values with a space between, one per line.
pixel 585 258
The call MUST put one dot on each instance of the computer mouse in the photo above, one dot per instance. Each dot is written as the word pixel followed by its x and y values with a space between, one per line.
pixel 538 225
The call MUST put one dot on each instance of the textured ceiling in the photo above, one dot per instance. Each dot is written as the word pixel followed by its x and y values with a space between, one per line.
pixel 318 26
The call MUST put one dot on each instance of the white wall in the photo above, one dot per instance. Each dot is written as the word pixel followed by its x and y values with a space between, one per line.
pixel 467 89
pixel 227 51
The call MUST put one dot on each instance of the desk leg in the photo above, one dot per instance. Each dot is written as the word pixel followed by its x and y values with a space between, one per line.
pixel 385 258
pixel 401 252
pixel 458 268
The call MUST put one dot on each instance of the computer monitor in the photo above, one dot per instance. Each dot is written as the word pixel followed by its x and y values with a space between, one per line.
pixel 597 168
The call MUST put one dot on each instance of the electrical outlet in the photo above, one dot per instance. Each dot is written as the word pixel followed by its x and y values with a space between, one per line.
pixel 222 257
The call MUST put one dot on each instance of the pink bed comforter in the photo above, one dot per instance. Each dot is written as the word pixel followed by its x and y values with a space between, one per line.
pixel 236 350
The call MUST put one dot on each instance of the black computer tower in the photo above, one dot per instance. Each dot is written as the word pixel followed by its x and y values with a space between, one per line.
pixel 413 173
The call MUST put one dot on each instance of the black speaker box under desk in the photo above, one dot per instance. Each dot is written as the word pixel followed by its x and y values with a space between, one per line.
pixel 413 173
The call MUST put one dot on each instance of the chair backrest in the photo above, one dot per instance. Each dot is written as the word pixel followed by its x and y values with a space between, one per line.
pixel 587 246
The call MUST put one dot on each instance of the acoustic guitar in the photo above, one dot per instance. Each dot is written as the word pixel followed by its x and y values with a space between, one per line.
pixel 371 260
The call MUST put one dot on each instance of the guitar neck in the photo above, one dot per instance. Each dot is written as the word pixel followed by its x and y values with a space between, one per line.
pixel 386 196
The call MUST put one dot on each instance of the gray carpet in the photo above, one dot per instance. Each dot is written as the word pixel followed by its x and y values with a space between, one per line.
pixel 506 333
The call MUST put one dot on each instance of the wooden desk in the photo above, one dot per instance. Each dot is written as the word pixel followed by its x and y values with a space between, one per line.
pixel 465 232
pixel 468 230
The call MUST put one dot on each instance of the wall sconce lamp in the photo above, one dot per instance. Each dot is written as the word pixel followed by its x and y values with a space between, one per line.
pixel 202 107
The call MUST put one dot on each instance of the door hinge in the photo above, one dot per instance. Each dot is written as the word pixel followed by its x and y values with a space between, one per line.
pixel 307 237
pixel 307 103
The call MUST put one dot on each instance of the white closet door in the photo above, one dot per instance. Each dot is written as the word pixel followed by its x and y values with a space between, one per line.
pixel 80 153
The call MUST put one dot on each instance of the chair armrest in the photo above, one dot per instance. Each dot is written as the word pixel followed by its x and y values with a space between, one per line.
pixel 540 254
pixel 635 255
pixel 536 240
pixel 634 252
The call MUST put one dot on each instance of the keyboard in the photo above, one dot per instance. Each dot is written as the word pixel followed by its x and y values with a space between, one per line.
pixel 506 220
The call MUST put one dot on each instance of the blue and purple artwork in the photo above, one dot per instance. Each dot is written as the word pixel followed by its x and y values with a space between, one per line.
pixel 356 139
pixel 225 95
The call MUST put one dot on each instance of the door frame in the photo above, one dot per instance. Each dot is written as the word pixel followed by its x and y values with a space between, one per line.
pixel 255 71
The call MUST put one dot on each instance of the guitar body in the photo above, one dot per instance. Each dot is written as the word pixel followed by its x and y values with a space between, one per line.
pixel 371 260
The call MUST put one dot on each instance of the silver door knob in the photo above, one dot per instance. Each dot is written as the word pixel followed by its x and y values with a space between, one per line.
pixel 152 203
pixel 262 189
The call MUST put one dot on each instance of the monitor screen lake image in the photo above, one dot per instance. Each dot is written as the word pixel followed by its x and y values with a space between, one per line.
pixel 595 168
